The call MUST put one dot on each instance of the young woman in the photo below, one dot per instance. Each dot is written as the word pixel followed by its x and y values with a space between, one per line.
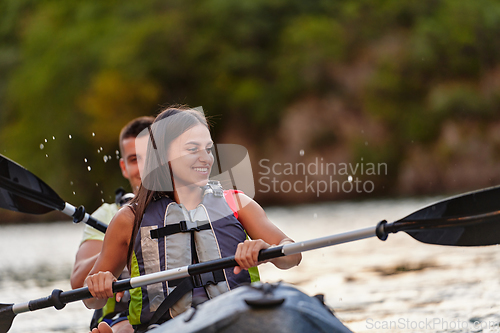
pixel 178 217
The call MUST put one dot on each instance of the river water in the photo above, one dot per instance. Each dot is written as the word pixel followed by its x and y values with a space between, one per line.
pixel 399 285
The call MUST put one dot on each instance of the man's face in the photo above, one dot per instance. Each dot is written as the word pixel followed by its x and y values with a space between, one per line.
pixel 132 161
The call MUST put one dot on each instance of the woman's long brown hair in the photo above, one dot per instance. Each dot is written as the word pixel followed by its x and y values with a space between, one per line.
pixel 158 181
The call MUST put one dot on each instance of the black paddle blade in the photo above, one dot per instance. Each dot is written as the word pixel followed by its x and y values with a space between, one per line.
pixel 22 191
pixel 6 317
pixel 470 219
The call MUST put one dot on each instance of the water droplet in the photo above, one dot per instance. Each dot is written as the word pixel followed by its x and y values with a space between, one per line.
pixel 89 168
pixel 105 158
pixel 301 152
pixel 102 192
pixel 109 157
pixel 53 138
pixel 71 182
pixel 102 200
pixel 93 134
pixel 366 143
pixel 85 160
pixel 98 151
pixel 45 140
pixel 117 153
pixel 46 155
pixel 96 184
pixel 361 158
pixel 42 146
pixel 69 136
pixel 349 179
pixel 315 215
pixel 74 193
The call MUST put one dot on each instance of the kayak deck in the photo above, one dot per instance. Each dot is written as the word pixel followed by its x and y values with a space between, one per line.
pixel 257 308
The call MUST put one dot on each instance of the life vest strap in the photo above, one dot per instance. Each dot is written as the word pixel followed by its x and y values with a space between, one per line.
pixel 182 287
pixel 201 280
pixel 172 229
pixel 208 278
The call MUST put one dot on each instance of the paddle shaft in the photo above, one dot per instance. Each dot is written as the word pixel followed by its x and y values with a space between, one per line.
pixel 58 298
pixel 381 230
pixel 79 215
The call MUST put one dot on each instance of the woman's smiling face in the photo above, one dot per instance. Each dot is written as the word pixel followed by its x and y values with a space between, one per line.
pixel 190 157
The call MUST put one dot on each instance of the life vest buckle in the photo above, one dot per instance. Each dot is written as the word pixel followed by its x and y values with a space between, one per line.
pixel 204 279
pixel 183 226
pixel 216 188
pixel 197 282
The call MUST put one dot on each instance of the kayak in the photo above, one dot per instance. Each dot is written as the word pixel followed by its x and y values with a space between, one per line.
pixel 260 307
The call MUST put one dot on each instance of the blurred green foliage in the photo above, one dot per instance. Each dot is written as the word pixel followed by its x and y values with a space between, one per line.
pixel 77 68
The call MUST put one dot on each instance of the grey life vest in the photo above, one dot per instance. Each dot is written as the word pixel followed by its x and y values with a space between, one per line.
pixel 170 236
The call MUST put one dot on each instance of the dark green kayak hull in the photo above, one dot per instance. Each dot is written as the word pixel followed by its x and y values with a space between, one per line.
pixel 257 308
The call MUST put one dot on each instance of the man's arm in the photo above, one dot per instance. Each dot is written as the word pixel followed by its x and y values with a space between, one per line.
pixel 85 259
pixel 91 245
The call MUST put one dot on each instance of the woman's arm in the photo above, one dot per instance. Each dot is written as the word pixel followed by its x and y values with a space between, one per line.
pixel 263 234
pixel 111 260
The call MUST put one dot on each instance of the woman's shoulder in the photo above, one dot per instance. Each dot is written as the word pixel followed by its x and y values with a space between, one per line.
pixel 124 217
pixel 238 200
